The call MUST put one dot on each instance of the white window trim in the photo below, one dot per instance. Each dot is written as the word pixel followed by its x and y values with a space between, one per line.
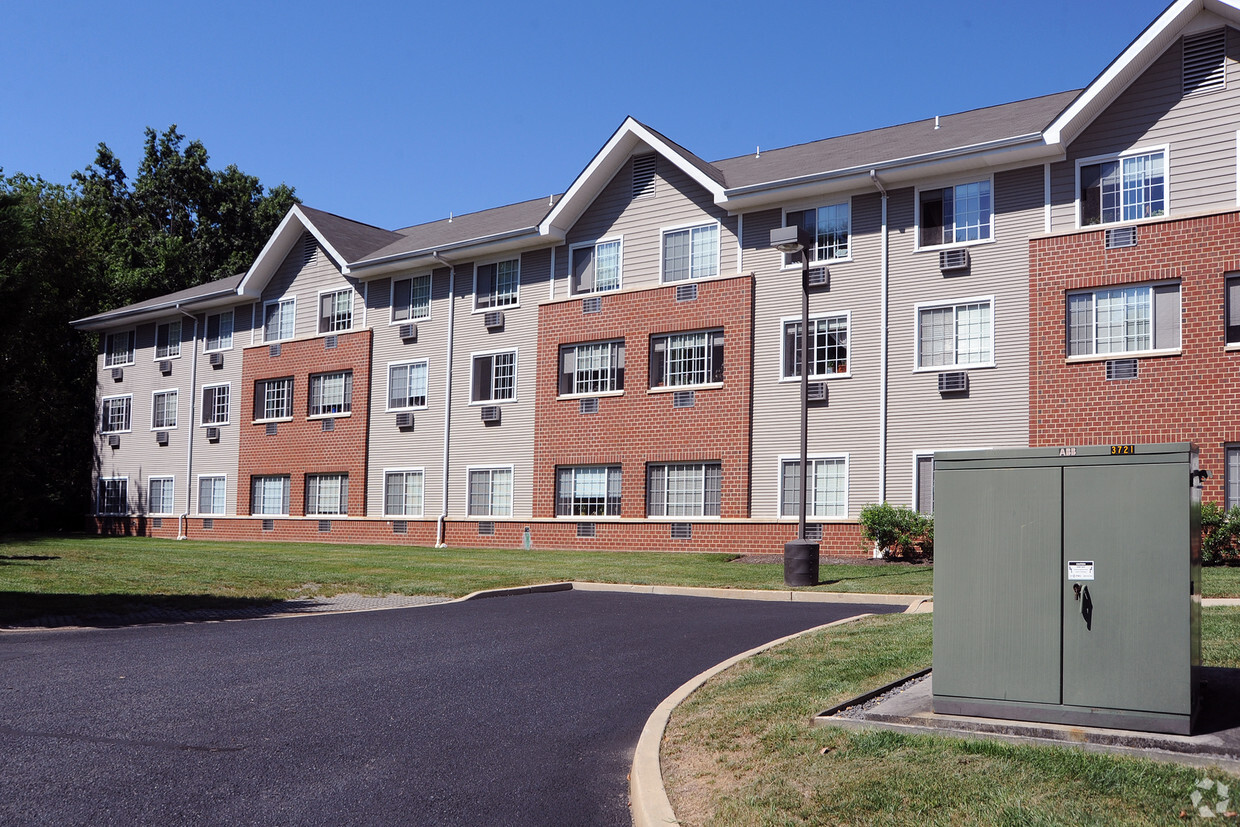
pixel 133 354
pixel 1131 354
pixel 663 231
pixel 490 516
pixel 1165 149
pixel 779 485
pixel 703 386
pixel 938 305
pixel 916 483
pixel 288 511
pixel 388 386
pixel 305 493
pixel 99 498
pixel 430 306
pixel 515 305
pixel 311 417
pixel 292 400
pixel 954 182
pixel 516 375
pixel 155 346
pixel 817 205
pixel 319 309
pixel 598 395
pixel 207 316
pixel 198 494
pixel 572 248
pixel 589 518
pixel 160 478
pixel 154 394
pixel 814 377
pixel 263 326
pixel 682 518
pixel 422 512
pixel 99 419
pixel 230 403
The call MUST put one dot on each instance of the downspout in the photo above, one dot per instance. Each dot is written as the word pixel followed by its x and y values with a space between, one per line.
pixel 440 541
pixel 882 358
pixel 183 520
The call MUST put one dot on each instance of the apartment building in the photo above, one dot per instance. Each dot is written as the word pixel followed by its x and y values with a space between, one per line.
pixel 617 367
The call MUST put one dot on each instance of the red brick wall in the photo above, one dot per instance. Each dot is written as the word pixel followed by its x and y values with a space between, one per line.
pixel 1194 396
pixel 301 446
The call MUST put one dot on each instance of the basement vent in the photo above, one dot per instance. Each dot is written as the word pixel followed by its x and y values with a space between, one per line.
pixel 161 437
pixel 274 351
pixel 1204 61
pixel 586 530
pixel 400 527
pixel 1121 237
pixel 216 360
pixel 813 531
pixel 954 382
pixel 114 441
pixel 325 525
pixel 682 531
pixel 308 249
pixel 157 522
pixel 493 319
pixel 118 374
pixel 592 304
pixel 1122 369
pixel 404 420
pixel 329 424
pixel 208 524
pixel 409 332
pixel 329 343
pixel 819 277
pixel 491 413
pixel 686 292
pixel 589 406
pixel 269 525
pixel 213 434
pixel 816 392
pixel 165 366
pixel 486 529
pixel 683 399
pixel 273 428
pixel 644 168
pixel 950 260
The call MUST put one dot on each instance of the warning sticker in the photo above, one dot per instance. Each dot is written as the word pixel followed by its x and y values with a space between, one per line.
pixel 1080 569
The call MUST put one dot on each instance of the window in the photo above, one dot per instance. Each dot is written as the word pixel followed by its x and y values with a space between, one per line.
pixel 830 227
pixel 118 349
pixel 335 311
pixel 953 215
pixel 168 340
pixel 490 492
pixel 278 319
pixel 219 331
pixel 115 416
pixel 1231 476
pixel 827 481
pixel 269 495
pixel 164 410
pixel 1122 189
pixel 113 495
pixel 957 335
pixel 495 285
pixel 683 490
pixel 402 493
pixel 1124 320
pixel 331 394
pixel 828 347
pixel 160 499
pixel 682 359
pixel 587 492
pixel 273 398
pixel 327 493
pixel 215 404
pixel 596 267
pixel 923 483
pixel 1233 309
pixel 692 253
pixel 407 385
pixel 211 494
pixel 592 368
pixel 411 299
pixel 495 377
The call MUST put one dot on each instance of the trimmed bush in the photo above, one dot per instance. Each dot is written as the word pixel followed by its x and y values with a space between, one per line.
pixel 1220 534
pixel 899 532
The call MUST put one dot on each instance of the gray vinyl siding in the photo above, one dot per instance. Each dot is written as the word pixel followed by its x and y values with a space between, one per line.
pixel 223 457
pixel 678 202
pixel 303 280
pixel 1199 132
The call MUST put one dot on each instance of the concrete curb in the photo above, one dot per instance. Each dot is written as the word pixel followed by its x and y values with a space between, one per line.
pixel 777 595
pixel 1220 601
pixel 541 588
pixel 648 802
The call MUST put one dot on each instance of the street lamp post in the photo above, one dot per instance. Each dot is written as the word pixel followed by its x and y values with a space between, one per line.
pixel 800 555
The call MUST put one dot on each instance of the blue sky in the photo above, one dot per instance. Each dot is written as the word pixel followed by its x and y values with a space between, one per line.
pixel 399 113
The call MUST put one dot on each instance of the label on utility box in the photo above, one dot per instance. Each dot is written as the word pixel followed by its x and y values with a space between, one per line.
pixel 1080 569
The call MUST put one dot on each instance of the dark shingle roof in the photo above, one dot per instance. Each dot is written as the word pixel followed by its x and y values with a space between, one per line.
pixel 438 234
pixel 352 239
pixel 223 286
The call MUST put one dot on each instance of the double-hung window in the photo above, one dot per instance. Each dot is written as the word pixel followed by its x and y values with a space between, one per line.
pixel 495 377
pixel 691 253
pixel 212 491
pixel 684 490
pixel 1129 319
pixel 592 368
pixel 407 385
pixel 335 311
pixel 402 493
pixel 956 335
pixel 1123 189
pixel 278 318
pixel 118 349
pixel 829 226
pixel 215 404
pixel 1232 329
pixel 411 299
pixel 590 491
pixel 219 331
pixel 596 267
pixel 168 340
pixel 826 480
pixel 496 285
pixel 490 492
pixel 269 495
pixel 331 394
pixel 273 398
pixel 954 215
pixel 113 495
pixel 115 414
pixel 327 494
pixel 163 410
pixel 686 359
pixel 160 491
pixel 828 347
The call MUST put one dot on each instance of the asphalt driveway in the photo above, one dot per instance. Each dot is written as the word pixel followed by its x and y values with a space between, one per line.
pixel 514 710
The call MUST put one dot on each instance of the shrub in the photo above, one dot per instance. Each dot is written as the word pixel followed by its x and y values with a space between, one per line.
pixel 1220 534
pixel 899 531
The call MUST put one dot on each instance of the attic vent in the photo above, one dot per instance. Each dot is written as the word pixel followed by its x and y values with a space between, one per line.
pixel 1203 61
pixel 1121 237
pixel 1122 369
pixel 308 249
pixel 592 304
pixel 643 176
pixel 589 406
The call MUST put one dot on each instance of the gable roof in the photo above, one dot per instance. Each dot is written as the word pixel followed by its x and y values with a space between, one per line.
pixel 161 305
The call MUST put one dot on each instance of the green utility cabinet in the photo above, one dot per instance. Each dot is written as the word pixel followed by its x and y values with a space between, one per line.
pixel 1067 585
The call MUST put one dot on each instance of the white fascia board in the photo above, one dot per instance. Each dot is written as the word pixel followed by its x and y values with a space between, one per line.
pixel 278 246
pixel 527 238
pixel 155 311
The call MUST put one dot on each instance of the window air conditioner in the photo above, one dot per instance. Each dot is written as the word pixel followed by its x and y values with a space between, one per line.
pixel 953 382
pixel 953 260
pixel 493 319
pixel 161 437
pixel 491 413
pixel 404 419
pixel 409 332
pixel 217 360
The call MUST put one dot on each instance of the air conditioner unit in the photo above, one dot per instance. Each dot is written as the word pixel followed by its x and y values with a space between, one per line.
pixel 273 429
pixel 682 531
pixel 274 351
pixel 953 260
pixel 491 413
pixel 683 399
pixel 818 277
pixel 1122 369
pixel 118 374
pixel 213 434
pixel 409 332
pixel 493 319
pixel 586 530
pixel 165 366
pixel 686 292
pixel 330 342
pixel 161 437
pixel 329 424
pixel 216 360
pixel 1120 237
pixel 114 441
pixel 953 382
pixel 592 304
pixel 816 392
pixel 588 406
pixel 404 419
